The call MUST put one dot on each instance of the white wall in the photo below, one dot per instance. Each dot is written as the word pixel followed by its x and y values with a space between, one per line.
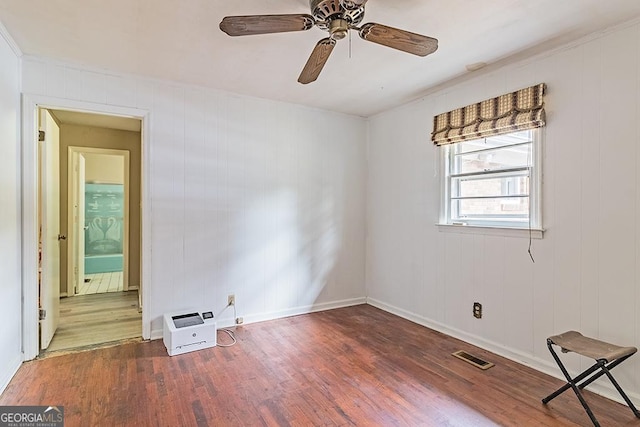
pixel 586 274
pixel 247 196
pixel 10 247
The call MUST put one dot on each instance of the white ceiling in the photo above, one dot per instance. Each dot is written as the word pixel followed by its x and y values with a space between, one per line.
pixel 180 40
pixel 97 120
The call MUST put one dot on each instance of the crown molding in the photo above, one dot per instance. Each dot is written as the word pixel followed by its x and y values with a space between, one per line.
pixel 10 41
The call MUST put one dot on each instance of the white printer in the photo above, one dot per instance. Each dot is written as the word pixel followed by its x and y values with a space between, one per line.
pixel 188 331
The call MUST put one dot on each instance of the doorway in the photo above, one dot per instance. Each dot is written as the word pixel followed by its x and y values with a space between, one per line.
pixel 98 220
pixel 99 231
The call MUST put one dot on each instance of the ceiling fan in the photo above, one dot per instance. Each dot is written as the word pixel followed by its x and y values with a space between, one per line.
pixel 336 17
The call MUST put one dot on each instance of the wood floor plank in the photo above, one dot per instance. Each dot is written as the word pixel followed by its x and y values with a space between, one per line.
pixel 345 367
pixel 97 318
pixel 101 283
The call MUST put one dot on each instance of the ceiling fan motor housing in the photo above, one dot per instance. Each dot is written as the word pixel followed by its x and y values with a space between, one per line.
pixel 352 4
pixel 326 11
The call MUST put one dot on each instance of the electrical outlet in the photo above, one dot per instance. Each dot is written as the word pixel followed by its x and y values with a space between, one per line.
pixel 231 299
pixel 239 320
pixel 477 310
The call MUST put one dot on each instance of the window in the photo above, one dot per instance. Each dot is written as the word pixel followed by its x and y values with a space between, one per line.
pixel 491 156
pixel 493 181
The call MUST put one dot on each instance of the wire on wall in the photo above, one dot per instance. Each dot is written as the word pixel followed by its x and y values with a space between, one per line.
pixel 229 331
pixel 530 166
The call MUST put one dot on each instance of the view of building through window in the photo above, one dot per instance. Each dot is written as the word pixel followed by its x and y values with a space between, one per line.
pixel 489 179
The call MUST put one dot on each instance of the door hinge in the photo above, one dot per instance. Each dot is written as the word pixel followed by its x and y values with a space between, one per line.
pixel 43 314
pixel 40 135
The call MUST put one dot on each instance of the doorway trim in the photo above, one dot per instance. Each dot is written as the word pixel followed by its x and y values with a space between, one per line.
pixel 29 214
pixel 71 228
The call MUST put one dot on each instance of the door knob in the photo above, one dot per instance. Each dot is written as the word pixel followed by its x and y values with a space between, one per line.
pixel 62 237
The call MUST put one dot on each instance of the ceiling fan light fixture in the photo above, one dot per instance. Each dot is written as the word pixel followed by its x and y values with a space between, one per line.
pixel 338 29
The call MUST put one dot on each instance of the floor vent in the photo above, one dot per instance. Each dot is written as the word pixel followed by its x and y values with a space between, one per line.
pixel 475 361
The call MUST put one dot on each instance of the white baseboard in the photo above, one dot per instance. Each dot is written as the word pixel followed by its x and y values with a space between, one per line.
pixel 262 317
pixel 605 389
pixel 302 310
pixel 7 375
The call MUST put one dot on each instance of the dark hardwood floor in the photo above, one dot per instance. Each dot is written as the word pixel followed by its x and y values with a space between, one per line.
pixel 352 366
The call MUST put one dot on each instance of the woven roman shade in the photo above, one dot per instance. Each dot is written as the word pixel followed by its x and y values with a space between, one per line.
pixel 519 110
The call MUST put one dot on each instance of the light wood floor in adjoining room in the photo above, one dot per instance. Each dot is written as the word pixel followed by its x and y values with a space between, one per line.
pixel 87 320
pixel 101 282
pixel 356 366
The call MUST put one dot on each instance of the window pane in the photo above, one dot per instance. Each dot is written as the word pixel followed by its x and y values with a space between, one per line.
pixel 494 159
pixel 489 180
pixel 491 186
pixel 503 209
pixel 494 141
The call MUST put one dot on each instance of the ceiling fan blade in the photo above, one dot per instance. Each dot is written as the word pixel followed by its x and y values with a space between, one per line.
pixel 406 41
pixel 265 24
pixel 316 61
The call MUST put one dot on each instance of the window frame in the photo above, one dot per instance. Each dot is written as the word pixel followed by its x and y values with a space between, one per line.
pixel 535 184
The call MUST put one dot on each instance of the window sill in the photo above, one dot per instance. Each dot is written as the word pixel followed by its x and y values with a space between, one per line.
pixel 536 233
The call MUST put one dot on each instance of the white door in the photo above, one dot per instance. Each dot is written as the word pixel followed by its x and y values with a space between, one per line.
pixel 76 226
pixel 81 226
pixel 50 228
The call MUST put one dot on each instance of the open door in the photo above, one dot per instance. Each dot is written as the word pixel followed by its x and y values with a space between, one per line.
pixel 49 228
pixel 95 234
pixel 76 225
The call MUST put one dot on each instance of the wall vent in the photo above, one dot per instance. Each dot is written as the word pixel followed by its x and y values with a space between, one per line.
pixel 475 361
